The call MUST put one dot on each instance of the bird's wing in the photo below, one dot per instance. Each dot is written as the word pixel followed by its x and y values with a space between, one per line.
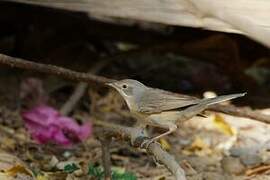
pixel 155 101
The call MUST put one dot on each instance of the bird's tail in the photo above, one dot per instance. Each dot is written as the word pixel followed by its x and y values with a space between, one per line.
pixel 219 99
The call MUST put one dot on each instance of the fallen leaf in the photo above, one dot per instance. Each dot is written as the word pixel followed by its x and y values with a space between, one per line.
pixel 17 169
pixel 11 166
pixel 198 147
pixel 165 144
pixel 223 126
pixel 42 177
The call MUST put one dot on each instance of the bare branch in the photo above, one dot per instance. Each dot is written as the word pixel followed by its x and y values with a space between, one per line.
pixel 53 70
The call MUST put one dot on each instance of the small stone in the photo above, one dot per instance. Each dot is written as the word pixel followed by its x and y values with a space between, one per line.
pixel 78 173
pixel 251 159
pixel 240 151
pixel 61 165
pixel 53 162
pixel 209 94
pixel 67 154
pixel 213 176
pixel 237 152
pixel 265 155
pixel 232 165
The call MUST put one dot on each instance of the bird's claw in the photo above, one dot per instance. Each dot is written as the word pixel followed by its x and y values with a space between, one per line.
pixel 145 144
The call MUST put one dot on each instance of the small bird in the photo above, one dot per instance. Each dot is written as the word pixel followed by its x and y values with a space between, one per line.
pixel 161 108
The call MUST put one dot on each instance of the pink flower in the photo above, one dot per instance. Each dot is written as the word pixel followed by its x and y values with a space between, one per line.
pixel 46 124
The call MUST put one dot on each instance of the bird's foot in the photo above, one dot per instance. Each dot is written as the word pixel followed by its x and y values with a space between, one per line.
pixel 145 144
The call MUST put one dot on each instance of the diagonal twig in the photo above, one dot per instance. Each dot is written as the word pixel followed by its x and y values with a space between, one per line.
pixel 80 89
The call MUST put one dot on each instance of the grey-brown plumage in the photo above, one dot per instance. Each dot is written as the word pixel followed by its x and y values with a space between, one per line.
pixel 155 101
pixel 161 108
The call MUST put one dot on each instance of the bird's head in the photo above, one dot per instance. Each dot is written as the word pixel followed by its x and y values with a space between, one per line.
pixel 131 90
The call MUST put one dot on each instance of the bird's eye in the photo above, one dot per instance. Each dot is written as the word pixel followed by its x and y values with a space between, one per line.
pixel 124 86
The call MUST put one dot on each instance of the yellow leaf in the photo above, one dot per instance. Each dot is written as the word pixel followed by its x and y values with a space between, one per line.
pixel 17 169
pixel 165 144
pixel 223 126
pixel 41 177
pixel 10 166
pixel 198 144
pixel 198 147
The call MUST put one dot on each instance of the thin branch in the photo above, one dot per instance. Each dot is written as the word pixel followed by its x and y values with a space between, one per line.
pixel 53 70
pixel 90 78
pixel 136 138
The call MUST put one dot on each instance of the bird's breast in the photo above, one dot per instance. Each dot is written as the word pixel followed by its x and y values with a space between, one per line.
pixel 162 118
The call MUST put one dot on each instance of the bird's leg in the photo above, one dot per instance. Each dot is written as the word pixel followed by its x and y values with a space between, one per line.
pixel 172 128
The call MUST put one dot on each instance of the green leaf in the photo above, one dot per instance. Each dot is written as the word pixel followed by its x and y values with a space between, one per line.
pixel 95 171
pixel 123 176
pixel 117 173
pixel 70 168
